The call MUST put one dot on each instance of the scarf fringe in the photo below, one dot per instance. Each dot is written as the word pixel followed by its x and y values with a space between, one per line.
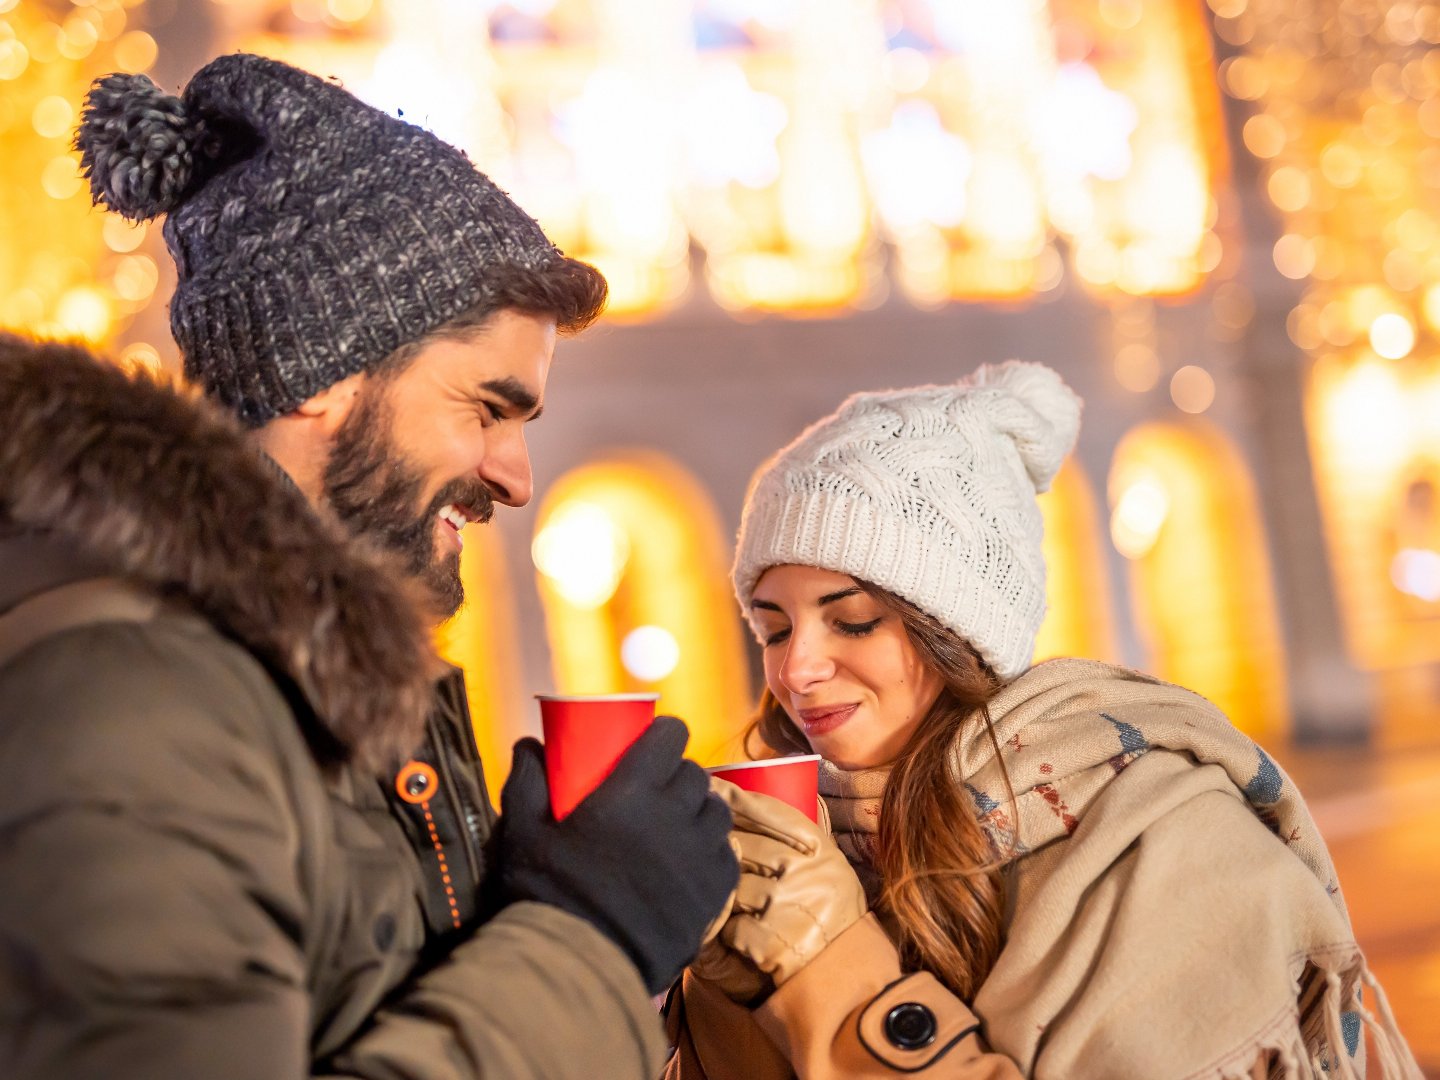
pixel 1337 1055
pixel 1394 1052
pixel 1312 1047
pixel 1282 1042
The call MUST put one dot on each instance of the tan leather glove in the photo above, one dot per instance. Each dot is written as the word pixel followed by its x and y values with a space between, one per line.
pixel 797 894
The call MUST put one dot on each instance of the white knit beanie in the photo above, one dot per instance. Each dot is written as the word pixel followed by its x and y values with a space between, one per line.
pixel 928 493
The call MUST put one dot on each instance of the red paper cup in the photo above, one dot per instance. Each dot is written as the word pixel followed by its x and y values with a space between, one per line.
pixel 792 780
pixel 585 735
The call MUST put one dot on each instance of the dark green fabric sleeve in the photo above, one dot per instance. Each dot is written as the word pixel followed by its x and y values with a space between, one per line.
pixel 536 993
pixel 152 914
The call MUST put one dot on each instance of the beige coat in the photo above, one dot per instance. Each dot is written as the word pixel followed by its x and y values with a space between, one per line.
pixel 829 1020
pixel 1172 909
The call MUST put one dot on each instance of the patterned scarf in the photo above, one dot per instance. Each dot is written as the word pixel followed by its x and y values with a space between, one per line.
pixel 1067 729
pixel 853 801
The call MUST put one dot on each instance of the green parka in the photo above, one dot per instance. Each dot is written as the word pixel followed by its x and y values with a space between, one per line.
pixel 207 868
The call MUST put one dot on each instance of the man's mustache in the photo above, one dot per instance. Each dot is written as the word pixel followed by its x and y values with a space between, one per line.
pixel 471 496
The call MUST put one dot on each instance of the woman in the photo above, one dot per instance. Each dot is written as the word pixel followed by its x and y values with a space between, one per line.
pixel 1116 881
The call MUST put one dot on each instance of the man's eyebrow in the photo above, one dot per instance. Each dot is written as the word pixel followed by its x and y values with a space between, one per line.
pixel 515 394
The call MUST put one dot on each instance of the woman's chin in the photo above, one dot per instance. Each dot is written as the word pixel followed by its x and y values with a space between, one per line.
pixel 848 758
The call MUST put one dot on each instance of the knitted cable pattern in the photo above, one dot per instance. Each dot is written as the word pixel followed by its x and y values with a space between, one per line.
pixel 927 492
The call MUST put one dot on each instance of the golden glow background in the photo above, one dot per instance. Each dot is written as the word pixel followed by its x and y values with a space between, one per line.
pixel 812 157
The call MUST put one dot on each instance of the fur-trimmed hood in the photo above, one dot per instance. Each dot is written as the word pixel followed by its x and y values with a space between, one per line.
pixel 163 489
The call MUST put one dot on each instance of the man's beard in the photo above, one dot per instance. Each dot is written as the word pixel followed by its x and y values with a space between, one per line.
pixel 374 491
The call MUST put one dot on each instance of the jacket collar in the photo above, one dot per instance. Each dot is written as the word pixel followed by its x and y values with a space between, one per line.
pixel 102 473
pixel 277 471
pixel 35 563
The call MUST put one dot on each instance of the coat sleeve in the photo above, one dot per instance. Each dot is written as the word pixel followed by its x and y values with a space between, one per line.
pixel 535 993
pixel 152 911
pixel 849 1013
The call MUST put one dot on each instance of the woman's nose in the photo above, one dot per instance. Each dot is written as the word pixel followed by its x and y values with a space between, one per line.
pixel 807 663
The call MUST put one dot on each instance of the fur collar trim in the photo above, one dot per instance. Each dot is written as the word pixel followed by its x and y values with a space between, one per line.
pixel 164 490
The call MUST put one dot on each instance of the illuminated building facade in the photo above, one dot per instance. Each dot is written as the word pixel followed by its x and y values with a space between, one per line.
pixel 1220 223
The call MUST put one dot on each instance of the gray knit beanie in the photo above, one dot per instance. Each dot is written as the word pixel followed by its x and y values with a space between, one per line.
pixel 313 234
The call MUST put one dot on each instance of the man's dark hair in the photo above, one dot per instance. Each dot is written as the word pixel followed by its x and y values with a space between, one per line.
pixel 571 292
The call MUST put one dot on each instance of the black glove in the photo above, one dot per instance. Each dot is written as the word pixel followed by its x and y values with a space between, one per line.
pixel 645 857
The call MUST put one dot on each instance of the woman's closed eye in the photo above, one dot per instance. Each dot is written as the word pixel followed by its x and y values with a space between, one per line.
pixel 848 629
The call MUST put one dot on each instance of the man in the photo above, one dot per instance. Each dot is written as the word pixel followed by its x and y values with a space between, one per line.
pixel 243 829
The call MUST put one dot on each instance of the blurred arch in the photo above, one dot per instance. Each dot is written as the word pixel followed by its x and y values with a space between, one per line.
pixel 1078 619
pixel 633 543
pixel 1186 516
pixel 482 640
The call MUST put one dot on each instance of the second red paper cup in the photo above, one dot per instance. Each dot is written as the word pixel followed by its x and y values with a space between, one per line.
pixel 585 735
pixel 792 780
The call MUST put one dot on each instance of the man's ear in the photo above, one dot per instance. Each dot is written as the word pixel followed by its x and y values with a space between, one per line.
pixel 326 411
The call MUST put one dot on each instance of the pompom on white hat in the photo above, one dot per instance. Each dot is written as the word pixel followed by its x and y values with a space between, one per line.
pixel 928 493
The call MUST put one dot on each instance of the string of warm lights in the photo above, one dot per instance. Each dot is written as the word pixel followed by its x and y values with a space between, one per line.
pixel 806 147
pixel 966 162
pixel 792 143
pixel 1348 111
pixel 65 269
pixel 1346 118
pixel 809 155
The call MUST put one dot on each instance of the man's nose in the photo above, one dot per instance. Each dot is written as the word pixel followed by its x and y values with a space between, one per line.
pixel 505 469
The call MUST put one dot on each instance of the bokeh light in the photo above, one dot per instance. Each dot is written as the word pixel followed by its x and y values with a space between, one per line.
pixel 649 653
pixel 136 51
pixel 84 312
pixel 1137 368
pixel 583 551
pixel 1392 336
pixel 1192 388
pixel 1139 515
pixel 53 117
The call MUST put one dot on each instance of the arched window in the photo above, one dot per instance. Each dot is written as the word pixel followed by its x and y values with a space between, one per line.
pixel 633 574
pixel 1078 621
pixel 1185 513
pixel 481 640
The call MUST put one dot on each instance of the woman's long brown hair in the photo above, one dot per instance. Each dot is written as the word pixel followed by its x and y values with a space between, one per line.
pixel 942 874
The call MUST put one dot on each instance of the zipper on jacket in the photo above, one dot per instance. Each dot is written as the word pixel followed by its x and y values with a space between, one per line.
pixel 451 788
pixel 480 819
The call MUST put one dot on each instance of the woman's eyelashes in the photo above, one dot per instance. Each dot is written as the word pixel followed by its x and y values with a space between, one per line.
pixel 848 629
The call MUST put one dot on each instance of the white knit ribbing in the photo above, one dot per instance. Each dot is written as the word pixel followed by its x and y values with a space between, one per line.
pixel 930 494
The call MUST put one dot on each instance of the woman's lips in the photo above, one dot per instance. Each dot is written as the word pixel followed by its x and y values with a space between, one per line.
pixel 824 720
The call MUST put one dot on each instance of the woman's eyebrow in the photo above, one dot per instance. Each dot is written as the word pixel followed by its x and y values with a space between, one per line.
pixel 828 598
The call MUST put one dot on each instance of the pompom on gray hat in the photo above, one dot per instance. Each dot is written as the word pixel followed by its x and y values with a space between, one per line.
pixel 928 493
pixel 313 235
